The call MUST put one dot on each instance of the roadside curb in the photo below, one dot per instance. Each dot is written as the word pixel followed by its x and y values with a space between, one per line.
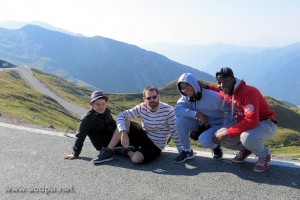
pixel 250 159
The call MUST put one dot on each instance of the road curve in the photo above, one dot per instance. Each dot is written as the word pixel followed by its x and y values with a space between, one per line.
pixel 39 86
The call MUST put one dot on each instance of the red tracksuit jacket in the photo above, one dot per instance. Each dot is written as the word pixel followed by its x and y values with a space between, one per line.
pixel 248 106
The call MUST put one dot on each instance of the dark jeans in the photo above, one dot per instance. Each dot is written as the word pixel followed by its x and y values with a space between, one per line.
pixel 139 139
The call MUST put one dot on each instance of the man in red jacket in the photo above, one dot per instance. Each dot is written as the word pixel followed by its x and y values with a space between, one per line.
pixel 252 121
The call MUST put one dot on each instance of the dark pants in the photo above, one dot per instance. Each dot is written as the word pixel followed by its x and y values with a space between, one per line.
pixel 139 139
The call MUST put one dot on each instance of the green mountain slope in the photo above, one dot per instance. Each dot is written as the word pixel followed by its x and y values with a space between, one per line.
pixel 20 104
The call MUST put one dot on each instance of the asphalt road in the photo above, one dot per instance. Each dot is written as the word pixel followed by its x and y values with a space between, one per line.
pixel 33 167
pixel 37 85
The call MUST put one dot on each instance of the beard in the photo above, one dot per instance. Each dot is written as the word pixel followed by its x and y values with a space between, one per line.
pixel 153 105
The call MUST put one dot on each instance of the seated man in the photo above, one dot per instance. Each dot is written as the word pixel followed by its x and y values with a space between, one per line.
pixel 196 106
pixel 253 122
pixel 143 143
pixel 97 124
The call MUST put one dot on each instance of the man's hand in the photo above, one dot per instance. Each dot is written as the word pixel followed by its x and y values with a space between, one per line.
pixel 202 118
pixel 70 157
pixel 124 139
pixel 220 135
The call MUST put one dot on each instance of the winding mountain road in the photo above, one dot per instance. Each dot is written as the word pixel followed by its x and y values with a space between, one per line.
pixel 39 86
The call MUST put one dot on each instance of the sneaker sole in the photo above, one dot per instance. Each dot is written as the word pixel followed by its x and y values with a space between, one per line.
pixel 187 158
pixel 257 170
pixel 102 161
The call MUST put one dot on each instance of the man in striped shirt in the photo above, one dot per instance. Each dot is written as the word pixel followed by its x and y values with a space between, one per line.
pixel 143 143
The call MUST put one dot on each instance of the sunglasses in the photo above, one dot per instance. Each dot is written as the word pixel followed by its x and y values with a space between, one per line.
pixel 149 98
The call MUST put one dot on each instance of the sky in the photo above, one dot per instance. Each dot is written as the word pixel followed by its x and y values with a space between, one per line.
pixel 261 23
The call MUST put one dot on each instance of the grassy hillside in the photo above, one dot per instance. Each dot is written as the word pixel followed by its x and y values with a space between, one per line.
pixel 20 103
pixel 81 96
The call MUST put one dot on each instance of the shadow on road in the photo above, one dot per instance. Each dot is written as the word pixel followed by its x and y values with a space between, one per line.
pixel 165 165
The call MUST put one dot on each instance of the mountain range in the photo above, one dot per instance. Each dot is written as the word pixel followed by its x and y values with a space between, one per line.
pixel 274 70
pixel 118 67
pixel 96 62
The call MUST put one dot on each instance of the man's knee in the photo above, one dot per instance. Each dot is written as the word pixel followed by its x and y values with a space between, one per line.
pixel 248 139
pixel 205 141
pixel 137 157
pixel 206 138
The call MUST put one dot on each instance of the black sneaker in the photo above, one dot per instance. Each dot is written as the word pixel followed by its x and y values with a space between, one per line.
pixel 217 153
pixel 183 156
pixel 104 156
pixel 123 151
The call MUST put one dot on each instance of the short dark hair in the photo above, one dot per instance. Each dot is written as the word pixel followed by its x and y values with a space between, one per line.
pixel 224 72
pixel 150 88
